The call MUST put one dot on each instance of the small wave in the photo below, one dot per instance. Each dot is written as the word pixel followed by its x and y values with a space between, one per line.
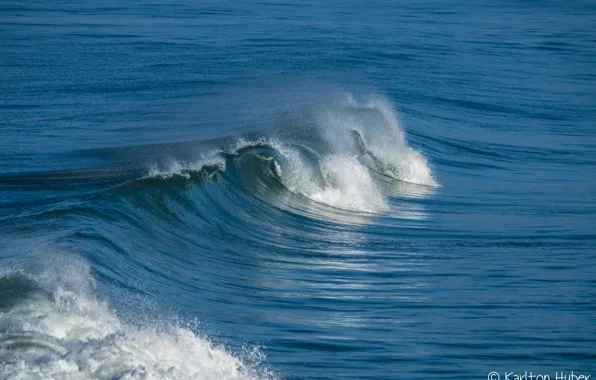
pixel 68 334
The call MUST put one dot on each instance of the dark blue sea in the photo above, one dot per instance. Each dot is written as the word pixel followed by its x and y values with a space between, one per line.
pixel 297 189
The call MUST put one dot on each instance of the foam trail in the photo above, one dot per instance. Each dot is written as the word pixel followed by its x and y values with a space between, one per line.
pixel 66 334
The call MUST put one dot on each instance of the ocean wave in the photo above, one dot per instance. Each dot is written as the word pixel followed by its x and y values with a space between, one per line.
pixel 169 215
pixel 55 327
pixel 335 164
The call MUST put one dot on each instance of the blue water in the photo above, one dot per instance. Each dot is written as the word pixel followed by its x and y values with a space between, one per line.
pixel 298 190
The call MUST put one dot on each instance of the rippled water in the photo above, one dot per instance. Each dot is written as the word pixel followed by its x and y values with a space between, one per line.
pixel 209 190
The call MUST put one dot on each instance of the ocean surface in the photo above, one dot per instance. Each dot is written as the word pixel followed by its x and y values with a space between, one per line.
pixel 297 189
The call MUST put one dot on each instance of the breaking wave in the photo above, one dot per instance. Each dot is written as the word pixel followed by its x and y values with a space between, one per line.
pixel 334 159
pixel 53 326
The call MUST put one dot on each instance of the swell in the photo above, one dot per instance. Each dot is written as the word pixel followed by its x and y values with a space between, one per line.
pixel 181 220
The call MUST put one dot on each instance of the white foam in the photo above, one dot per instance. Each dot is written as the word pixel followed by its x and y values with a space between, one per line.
pixel 383 137
pixel 349 186
pixel 74 336
pixel 184 168
pixel 344 182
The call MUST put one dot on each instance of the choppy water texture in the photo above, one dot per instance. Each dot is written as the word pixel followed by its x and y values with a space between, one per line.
pixel 300 190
